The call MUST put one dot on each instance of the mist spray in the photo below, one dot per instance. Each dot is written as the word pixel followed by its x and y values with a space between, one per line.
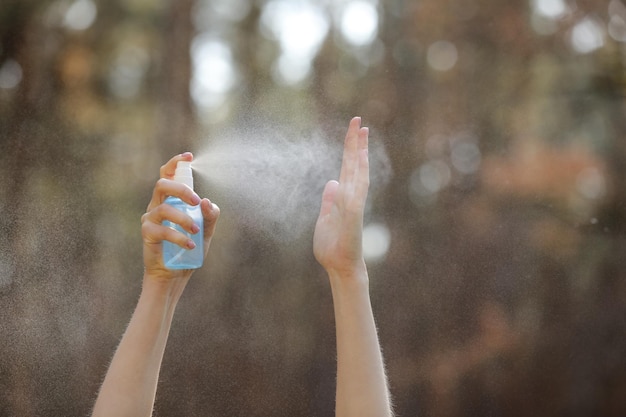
pixel 175 257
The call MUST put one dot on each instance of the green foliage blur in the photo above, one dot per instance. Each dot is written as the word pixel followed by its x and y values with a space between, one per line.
pixel 503 290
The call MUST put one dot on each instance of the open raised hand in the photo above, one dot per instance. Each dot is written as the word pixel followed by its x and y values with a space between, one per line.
pixel 337 242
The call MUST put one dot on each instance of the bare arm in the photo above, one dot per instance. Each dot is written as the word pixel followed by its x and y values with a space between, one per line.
pixel 362 389
pixel 129 388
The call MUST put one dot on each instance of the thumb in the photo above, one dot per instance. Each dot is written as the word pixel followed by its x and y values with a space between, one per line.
pixel 328 197
pixel 210 212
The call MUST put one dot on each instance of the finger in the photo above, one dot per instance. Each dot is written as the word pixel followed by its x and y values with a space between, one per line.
pixel 363 180
pixel 165 212
pixel 166 187
pixel 168 170
pixel 328 197
pixel 210 213
pixel 363 138
pixel 154 233
pixel 349 161
pixel 356 174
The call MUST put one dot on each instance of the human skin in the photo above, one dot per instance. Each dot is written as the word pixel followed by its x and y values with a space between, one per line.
pixel 362 389
pixel 130 385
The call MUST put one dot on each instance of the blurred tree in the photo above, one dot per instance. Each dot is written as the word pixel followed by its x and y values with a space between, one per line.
pixel 176 126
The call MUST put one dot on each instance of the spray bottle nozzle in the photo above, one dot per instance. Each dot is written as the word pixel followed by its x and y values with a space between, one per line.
pixel 183 173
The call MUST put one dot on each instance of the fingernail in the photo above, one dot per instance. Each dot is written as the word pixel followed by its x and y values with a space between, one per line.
pixel 191 244
pixel 195 228
pixel 195 199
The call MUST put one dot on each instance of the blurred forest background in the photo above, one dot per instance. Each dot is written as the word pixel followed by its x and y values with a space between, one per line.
pixel 497 251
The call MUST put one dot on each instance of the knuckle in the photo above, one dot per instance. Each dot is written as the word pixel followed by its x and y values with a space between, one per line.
pixel 161 182
pixel 159 210
pixel 146 229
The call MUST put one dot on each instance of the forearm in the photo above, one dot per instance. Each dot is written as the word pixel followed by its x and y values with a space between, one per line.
pixel 362 389
pixel 129 388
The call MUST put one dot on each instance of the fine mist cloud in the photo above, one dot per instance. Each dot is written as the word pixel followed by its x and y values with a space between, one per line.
pixel 272 181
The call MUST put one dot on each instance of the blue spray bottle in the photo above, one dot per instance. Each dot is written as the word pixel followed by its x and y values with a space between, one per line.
pixel 175 257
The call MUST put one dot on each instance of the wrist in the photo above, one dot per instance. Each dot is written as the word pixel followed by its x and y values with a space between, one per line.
pixel 352 275
pixel 158 286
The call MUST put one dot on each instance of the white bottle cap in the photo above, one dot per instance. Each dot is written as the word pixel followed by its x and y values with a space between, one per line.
pixel 183 173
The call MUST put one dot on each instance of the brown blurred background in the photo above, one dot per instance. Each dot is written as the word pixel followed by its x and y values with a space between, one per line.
pixel 497 251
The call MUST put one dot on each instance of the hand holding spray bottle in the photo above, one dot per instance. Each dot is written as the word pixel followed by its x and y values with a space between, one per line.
pixel 175 257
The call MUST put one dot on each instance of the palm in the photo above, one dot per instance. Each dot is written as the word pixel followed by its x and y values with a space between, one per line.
pixel 337 240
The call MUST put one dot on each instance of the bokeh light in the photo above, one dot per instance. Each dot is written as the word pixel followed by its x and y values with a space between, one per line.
pixel 546 14
pixel 551 9
pixel 591 184
pixel 80 15
pixel 587 36
pixel 300 28
pixel 128 70
pixel 10 74
pixel 376 241
pixel 617 20
pixel 289 69
pixel 359 22
pixel 430 178
pixel 213 71
pixel 466 157
pixel 442 55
